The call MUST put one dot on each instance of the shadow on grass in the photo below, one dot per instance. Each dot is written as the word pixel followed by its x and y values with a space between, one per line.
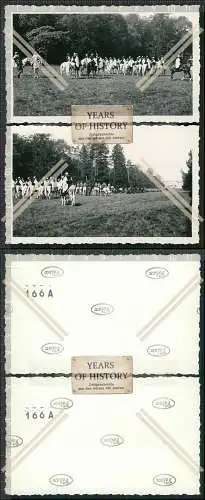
pixel 76 205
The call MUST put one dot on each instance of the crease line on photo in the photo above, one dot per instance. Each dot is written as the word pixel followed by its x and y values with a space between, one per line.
pixel 35 441
pixel 24 203
pixel 170 306
pixel 171 55
pixel 171 194
pixel 167 439
pixel 181 45
pixel 47 69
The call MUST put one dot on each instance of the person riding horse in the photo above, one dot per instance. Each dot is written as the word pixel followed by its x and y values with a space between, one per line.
pixel 92 66
pixel 183 66
pixel 75 62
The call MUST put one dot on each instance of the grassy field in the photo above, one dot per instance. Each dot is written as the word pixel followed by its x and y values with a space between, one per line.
pixel 120 215
pixel 41 97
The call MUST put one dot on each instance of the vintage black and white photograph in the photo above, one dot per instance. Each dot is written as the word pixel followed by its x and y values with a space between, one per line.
pixel 145 191
pixel 63 56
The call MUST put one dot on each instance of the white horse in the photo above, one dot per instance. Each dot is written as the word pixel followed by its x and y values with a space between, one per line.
pixel 36 63
pixel 106 191
pixel 65 67
pixel 27 61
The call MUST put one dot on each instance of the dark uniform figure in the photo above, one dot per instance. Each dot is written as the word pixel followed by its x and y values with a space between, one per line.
pixel 18 60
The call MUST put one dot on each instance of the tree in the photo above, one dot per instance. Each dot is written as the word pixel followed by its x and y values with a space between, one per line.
pixel 21 157
pixel 36 154
pixel 56 35
pixel 135 27
pixel 187 175
pixel 119 162
pixel 99 158
pixel 187 186
pixel 159 35
pixel 137 179
pixel 85 164
pixel 51 44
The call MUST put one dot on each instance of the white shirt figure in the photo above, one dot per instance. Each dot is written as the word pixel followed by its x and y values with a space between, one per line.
pixel 177 62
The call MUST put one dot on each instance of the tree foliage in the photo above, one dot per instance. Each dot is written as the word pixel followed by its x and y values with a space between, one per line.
pixel 36 154
pixel 99 157
pixel 56 35
pixel 187 175
pixel 119 165
pixel 136 178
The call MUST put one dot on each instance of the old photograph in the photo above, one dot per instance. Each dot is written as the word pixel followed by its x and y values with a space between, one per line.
pixel 55 297
pixel 62 56
pixel 115 445
pixel 146 191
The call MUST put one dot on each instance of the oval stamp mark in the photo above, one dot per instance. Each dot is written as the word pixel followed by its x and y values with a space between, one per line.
pixel 158 350
pixel 61 403
pixel 157 273
pixel 52 272
pixel 61 480
pixel 52 348
pixel 111 440
pixel 164 480
pixel 14 441
pixel 163 403
pixel 102 309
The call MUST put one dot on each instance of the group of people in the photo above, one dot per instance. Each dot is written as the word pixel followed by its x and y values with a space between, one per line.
pixel 63 187
pixel 95 64
pixel 110 65
pixel 26 188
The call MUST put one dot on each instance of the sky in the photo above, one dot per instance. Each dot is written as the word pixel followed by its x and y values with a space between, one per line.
pixel 189 11
pixel 190 15
pixel 165 148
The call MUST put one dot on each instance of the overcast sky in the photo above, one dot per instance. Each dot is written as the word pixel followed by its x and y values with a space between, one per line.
pixel 190 15
pixel 165 148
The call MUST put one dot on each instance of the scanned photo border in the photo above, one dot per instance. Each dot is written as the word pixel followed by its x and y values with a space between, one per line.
pixel 50 259
pixel 74 9
pixel 196 222
pixel 122 250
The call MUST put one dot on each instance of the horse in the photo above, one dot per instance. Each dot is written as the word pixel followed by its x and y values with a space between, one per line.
pixel 27 61
pixel 75 68
pixel 65 67
pixel 92 68
pixel 185 68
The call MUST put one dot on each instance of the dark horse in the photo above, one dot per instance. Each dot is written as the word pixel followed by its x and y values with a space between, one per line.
pixel 92 68
pixel 184 68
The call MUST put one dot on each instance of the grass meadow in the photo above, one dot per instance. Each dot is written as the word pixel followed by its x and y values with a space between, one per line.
pixel 120 215
pixel 41 97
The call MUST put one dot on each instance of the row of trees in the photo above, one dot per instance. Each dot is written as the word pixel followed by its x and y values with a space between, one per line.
pixel 54 36
pixel 96 165
pixel 36 154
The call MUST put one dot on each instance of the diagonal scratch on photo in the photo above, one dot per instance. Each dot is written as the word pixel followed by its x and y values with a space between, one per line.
pixel 116 56
pixel 61 189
